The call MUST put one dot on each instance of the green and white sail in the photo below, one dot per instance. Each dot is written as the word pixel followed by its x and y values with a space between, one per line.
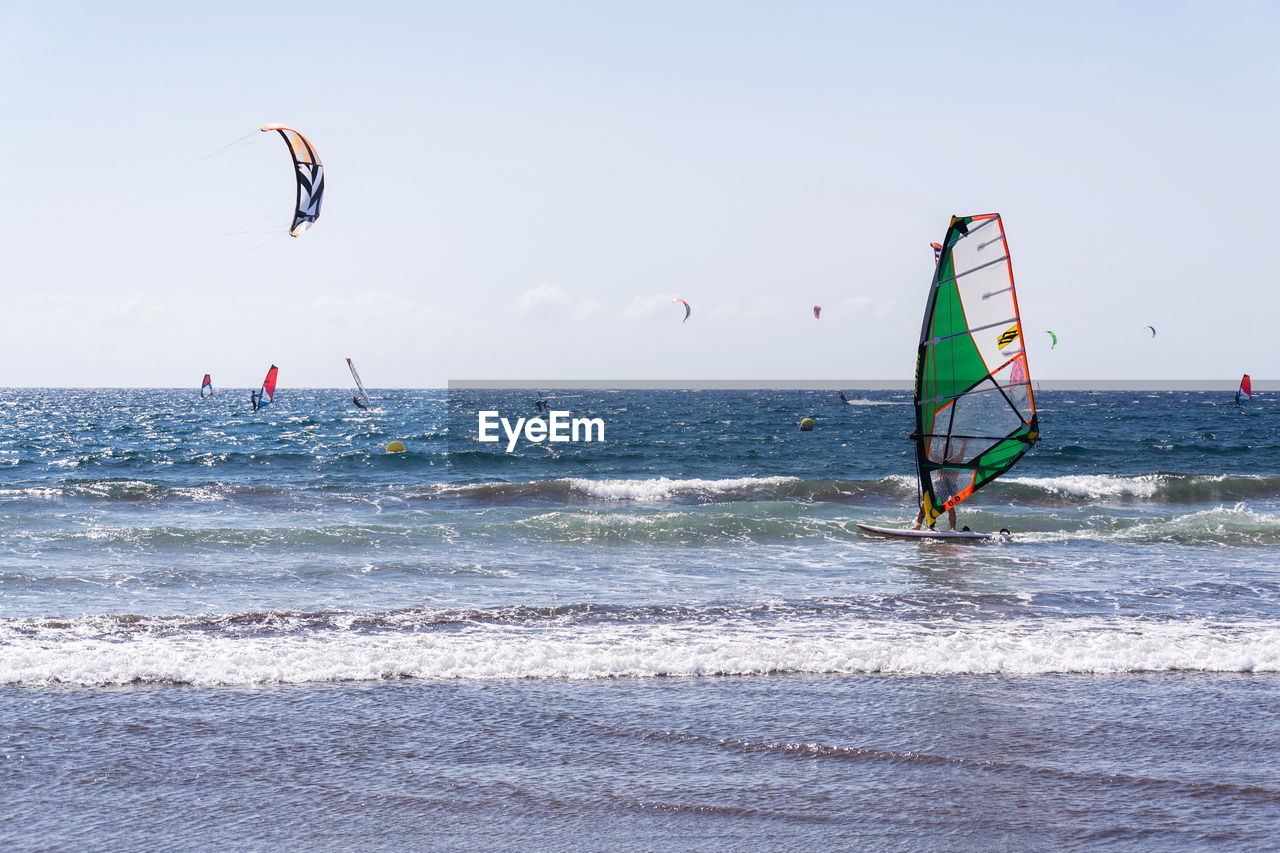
pixel 975 409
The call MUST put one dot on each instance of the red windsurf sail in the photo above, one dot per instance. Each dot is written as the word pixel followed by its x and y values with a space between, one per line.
pixel 206 387
pixel 1246 388
pixel 269 384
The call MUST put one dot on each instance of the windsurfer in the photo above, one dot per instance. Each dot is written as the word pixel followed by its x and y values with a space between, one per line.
pixel 951 518
pixel 254 397
pixel 843 398
pixel 359 403
pixel 948 479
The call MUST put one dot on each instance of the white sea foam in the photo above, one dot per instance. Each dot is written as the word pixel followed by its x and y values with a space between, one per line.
pixel 664 488
pixel 1094 485
pixel 486 651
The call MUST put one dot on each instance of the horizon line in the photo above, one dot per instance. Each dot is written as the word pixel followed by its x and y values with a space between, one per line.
pixel 1224 385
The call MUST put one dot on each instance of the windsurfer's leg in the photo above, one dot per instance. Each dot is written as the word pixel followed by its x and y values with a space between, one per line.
pixel 919 519
pixel 951 518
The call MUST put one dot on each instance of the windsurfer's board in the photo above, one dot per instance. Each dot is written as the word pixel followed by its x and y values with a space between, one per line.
pixel 904 533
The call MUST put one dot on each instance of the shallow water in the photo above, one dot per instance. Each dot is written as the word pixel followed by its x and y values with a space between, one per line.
pixel 677 638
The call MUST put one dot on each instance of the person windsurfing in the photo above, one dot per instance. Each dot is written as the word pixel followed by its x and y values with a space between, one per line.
pixel 254 397
pixel 843 398
pixel 951 519
pixel 359 403
pixel 1246 388
pixel 949 478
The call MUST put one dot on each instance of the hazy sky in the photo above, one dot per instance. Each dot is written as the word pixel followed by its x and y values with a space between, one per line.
pixel 519 189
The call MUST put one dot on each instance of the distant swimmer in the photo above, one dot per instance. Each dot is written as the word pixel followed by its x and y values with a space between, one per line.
pixel 806 425
pixel 359 403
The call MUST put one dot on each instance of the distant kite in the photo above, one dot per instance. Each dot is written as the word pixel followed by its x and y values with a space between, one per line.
pixel 1153 330
pixel 1055 339
pixel 687 309
pixel 310 174
pixel 937 252
pixel 817 312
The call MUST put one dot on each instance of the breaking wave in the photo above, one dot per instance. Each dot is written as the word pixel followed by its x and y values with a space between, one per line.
pixel 1142 488
pixel 295 648
pixel 1070 490
pixel 663 489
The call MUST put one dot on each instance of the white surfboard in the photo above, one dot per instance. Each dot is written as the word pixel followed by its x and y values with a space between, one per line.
pixel 904 533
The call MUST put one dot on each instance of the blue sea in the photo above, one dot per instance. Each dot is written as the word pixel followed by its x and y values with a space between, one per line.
pixel 222 629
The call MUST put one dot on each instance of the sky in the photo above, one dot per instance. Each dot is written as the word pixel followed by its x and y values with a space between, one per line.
pixel 519 189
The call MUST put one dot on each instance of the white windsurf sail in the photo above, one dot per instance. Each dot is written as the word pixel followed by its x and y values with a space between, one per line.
pixel 361 398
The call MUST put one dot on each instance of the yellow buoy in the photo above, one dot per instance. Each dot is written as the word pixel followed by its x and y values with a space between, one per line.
pixel 395 447
pixel 806 424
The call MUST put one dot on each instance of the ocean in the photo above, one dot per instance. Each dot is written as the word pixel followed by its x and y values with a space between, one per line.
pixel 222 629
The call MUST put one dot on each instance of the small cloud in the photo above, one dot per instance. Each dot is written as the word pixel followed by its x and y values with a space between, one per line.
pixel 586 308
pixel 117 309
pixel 644 307
pixel 766 308
pixel 540 296
pixel 877 308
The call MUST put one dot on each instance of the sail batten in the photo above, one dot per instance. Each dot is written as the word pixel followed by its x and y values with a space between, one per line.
pixel 992 263
pixel 971 345
pixel 976 328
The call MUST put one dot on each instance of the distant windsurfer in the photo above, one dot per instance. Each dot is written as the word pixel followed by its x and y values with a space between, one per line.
pixel 843 398
pixel 254 397
pixel 359 403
